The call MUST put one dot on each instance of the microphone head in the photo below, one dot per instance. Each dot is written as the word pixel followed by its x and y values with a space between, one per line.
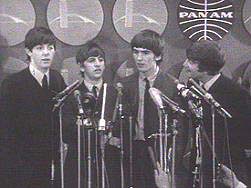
pixel 156 96
pixel 175 80
pixel 76 93
pixel 119 85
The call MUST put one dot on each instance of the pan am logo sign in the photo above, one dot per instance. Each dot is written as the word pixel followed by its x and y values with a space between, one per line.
pixel 205 19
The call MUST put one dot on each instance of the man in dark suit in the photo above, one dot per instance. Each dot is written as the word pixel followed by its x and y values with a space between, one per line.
pixel 91 59
pixel 28 135
pixel 204 61
pixel 147 48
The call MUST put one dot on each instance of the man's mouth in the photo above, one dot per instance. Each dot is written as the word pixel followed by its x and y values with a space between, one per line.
pixel 97 70
pixel 140 64
pixel 46 59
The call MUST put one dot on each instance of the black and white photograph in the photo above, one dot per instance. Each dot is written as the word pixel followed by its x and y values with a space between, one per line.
pixel 125 93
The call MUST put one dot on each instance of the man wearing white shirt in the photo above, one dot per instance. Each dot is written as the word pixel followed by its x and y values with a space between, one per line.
pixel 147 49
pixel 91 61
pixel 29 137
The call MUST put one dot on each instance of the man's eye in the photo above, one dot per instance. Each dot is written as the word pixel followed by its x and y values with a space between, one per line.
pixel 101 59
pixel 146 52
pixel 91 60
pixel 135 51
pixel 51 47
pixel 39 47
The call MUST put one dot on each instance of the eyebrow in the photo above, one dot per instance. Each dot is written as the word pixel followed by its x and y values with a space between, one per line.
pixel 93 57
pixel 143 50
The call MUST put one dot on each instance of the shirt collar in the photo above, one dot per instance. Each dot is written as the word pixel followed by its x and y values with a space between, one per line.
pixel 210 82
pixel 37 74
pixel 90 85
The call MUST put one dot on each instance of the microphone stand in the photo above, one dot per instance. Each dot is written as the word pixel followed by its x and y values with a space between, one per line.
pixel 61 145
pixel 59 105
pixel 213 144
pixel 174 134
pixel 130 151
pixel 101 128
pixel 120 109
pixel 165 142
pixel 79 124
pixel 60 102
pixel 214 106
pixel 161 138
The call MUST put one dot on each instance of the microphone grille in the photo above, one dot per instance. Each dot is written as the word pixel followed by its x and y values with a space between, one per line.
pixel 119 85
pixel 76 93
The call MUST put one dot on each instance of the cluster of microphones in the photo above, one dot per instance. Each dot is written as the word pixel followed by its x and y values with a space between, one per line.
pixel 193 91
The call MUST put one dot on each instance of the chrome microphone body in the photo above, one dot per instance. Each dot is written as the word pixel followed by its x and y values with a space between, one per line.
pixel 77 96
pixel 67 91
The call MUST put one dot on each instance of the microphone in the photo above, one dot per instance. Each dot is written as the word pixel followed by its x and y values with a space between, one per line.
pixel 67 91
pixel 208 98
pixel 154 93
pixel 77 95
pixel 182 88
pixel 158 94
pixel 119 88
pixel 185 92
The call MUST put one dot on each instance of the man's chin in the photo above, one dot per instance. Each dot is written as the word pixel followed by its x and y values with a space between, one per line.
pixel 46 67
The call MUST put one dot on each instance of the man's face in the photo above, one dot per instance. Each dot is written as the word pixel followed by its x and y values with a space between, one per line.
pixel 192 68
pixel 42 55
pixel 145 59
pixel 93 67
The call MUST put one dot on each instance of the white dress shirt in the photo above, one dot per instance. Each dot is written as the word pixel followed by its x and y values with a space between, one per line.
pixel 142 84
pixel 38 75
pixel 90 86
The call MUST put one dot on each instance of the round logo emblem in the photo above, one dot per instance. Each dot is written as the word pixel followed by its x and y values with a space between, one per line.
pixel 246 16
pixel 205 19
pixel 17 17
pixel 133 16
pixel 75 22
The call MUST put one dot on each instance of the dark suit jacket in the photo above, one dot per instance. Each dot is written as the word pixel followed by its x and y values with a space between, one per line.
pixel 70 137
pixel 27 129
pixel 131 99
pixel 236 100
pixel 131 88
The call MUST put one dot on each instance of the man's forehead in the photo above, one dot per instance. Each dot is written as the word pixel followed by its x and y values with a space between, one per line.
pixel 44 44
pixel 141 49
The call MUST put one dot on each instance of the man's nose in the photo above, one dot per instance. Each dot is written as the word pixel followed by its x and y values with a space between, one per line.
pixel 139 56
pixel 97 62
pixel 45 51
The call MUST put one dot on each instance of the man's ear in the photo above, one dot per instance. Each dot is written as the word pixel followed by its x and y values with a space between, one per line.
pixel 28 52
pixel 158 58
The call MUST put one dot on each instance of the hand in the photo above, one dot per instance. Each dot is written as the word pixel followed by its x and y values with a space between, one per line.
pixel 161 178
pixel 228 178
pixel 112 140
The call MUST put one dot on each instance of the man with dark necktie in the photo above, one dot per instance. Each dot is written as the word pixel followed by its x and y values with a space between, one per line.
pixel 91 60
pixel 147 49
pixel 29 136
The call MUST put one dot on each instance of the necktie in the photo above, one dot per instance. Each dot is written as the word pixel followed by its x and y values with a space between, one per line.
pixel 94 91
pixel 147 107
pixel 45 85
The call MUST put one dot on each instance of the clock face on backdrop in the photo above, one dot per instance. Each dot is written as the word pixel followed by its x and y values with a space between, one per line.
pixel 75 22
pixel 17 17
pixel 246 15
pixel 132 16
pixel 205 19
